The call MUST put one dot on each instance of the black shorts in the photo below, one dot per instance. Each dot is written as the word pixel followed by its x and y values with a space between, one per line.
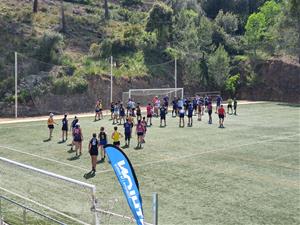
pixel 64 128
pixel 209 112
pixel 127 136
pixel 229 106
pixel 181 115
pixel 221 116
pixel 190 116
pixel 149 115
pixel 94 152
pixel 116 143
pixel 140 134
pixel 51 126
pixel 163 117
pixel 139 114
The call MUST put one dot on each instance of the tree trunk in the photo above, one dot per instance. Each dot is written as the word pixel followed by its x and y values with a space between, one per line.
pixel 106 12
pixel 35 6
pixel 63 21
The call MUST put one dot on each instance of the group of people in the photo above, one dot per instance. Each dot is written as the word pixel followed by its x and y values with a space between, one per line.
pixel 187 107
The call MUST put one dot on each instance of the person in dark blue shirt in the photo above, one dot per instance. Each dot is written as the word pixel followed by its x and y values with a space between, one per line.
pixel 195 103
pixel 175 107
pixel 127 132
pixel 219 101
pixel 64 128
pixel 190 115
pixel 163 112
pixel 93 150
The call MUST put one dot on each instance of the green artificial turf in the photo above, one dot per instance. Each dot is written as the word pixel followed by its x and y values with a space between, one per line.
pixel 246 173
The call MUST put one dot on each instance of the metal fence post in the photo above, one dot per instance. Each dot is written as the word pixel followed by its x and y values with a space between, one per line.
pixel 0 211
pixel 24 216
pixel 155 208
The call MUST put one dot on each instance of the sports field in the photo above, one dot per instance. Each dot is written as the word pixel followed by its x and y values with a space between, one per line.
pixel 246 173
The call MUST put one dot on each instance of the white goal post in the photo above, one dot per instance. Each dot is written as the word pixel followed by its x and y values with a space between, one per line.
pixel 18 175
pixel 145 95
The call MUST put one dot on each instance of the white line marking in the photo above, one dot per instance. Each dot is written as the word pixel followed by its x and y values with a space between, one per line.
pixel 41 157
pixel 46 207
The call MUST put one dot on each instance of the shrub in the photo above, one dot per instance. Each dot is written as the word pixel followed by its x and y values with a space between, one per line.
pixel 70 85
pixel 50 47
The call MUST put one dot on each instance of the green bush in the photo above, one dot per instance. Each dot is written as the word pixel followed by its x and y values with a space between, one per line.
pixel 50 47
pixel 95 50
pixel 231 84
pixel 130 3
pixel 70 85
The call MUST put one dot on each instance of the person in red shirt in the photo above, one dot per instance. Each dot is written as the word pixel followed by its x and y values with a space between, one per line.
pixel 222 115
pixel 149 113
pixel 140 130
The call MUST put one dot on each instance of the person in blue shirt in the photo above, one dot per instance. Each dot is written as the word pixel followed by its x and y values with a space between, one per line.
pixel 166 103
pixel 64 128
pixel 190 115
pixel 181 117
pixel 122 114
pixel 163 111
pixel 219 101
pixel 127 132
pixel 93 150
pixel 195 104
pixel 175 107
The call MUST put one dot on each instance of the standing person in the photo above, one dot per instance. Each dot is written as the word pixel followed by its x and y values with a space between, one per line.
pixel 181 117
pixel 93 150
pixel 201 102
pixel 180 104
pixel 112 109
pixel 166 103
pixel 156 107
pixel 100 109
pixel 127 133
pixel 102 142
pixel 122 114
pixel 78 138
pixel 138 112
pixel 74 122
pixel 50 123
pixel 222 115
pixel 195 104
pixel 229 106
pixel 64 128
pixel 149 113
pixel 140 133
pixel 190 114
pixel 128 107
pixel 116 113
pixel 132 108
pixel 209 111
pixel 163 112
pixel 199 109
pixel 219 102
pixel 145 128
pixel 206 102
pixel 97 111
pixel 175 107
pixel 234 105
pixel 116 136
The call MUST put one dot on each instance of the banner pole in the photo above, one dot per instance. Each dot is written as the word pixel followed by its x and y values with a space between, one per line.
pixel 175 77
pixel 16 84
pixel 155 208
pixel 111 79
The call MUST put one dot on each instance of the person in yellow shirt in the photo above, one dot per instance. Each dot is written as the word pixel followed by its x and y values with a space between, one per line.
pixel 51 123
pixel 116 136
pixel 229 105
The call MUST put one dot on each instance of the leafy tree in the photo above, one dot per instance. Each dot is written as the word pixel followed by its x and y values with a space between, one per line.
pixel 289 28
pixel 35 6
pixel 106 12
pixel 129 3
pixel 218 67
pixel 231 84
pixel 160 22
pixel 228 21
pixel 255 30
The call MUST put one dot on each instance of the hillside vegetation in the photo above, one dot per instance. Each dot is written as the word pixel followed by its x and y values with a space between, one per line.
pixel 62 43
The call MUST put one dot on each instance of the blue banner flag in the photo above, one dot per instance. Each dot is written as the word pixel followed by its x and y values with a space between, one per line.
pixel 127 178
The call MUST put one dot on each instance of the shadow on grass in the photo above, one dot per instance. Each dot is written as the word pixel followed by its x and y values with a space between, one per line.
pixel 71 151
pixel 294 105
pixel 100 161
pixel 89 175
pixel 47 140
pixel 74 158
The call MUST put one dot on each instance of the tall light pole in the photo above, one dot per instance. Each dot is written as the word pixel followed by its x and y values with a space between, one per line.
pixel 16 84
pixel 175 77
pixel 111 79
